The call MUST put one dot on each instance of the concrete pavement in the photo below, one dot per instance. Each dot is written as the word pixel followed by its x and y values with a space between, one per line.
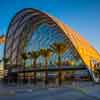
pixel 74 91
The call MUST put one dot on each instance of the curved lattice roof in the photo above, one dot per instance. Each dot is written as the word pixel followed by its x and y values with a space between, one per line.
pixel 34 18
pixel 87 52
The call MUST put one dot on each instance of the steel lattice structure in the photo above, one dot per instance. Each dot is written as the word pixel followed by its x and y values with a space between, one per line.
pixel 33 29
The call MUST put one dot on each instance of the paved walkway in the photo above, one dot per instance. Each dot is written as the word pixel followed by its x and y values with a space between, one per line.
pixel 73 91
pixel 91 89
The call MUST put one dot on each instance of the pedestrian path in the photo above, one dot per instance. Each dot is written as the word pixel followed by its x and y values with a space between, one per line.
pixel 73 91
pixel 91 90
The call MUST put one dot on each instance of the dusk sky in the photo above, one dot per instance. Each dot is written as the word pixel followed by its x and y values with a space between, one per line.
pixel 81 15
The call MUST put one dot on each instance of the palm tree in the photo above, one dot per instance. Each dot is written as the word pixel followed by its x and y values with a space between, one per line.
pixel 24 57
pixel 46 53
pixel 30 57
pixel 0 60
pixel 34 55
pixel 5 60
pixel 59 49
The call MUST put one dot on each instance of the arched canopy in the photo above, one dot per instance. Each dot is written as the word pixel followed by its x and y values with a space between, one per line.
pixel 27 23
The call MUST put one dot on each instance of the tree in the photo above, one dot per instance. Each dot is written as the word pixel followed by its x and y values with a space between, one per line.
pixel 59 49
pixel 34 55
pixel 24 58
pixel 5 60
pixel 46 53
pixel 0 60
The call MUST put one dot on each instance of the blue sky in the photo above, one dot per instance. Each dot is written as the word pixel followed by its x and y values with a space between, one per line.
pixel 81 15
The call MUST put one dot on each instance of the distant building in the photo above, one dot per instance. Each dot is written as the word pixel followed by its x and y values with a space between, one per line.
pixel 1 71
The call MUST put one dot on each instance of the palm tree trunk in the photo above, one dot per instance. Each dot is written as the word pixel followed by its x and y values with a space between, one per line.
pixel 60 73
pixel 46 72
pixel 34 65
pixel 24 72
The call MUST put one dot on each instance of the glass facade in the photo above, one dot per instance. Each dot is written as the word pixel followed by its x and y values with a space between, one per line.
pixel 33 30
